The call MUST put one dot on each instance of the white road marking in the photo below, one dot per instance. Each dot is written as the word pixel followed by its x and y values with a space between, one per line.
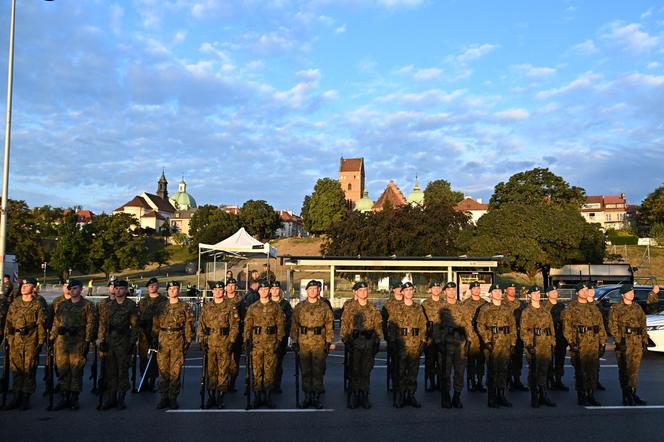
pixel 624 407
pixel 237 410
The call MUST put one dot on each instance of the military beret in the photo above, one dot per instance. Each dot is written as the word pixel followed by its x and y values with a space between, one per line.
pixel 395 285
pixel 152 281
pixel 31 281
pixel 625 288
pixel 74 283
pixel 435 283
pixel 510 284
pixel 551 288
pixel 173 284
pixel 580 286
pixel 218 285
pixel 360 285
pixel 407 284
pixel 121 283
pixel 276 284
pixel 534 288
pixel 495 286
pixel 450 285
pixel 263 283
pixel 231 281
pixel 312 283
pixel 591 285
pixel 474 284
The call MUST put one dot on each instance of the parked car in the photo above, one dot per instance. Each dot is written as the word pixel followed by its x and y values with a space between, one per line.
pixel 655 327
pixel 607 295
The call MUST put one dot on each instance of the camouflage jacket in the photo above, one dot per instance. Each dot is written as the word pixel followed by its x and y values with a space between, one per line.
pixel 312 322
pixel 118 323
pixel 25 321
pixel 628 323
pixel 537 328
pixel 409 325
pixel 264 323
pixel 583 323
pixel 219 322
pixel 148 307
pixel 361 321
pixel 173 317
pixel 432 312
pixel 496 323
pixel 388 309
pixel 74 322
pixel 455 325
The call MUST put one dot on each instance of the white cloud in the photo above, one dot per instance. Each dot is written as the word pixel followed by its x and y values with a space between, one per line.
pixel 179 37
pixel 341 29
pixel 639 79
pixel 630 37
pixel 512 115
pixel 586 47
pixel 427 74
pixel 309 75
pixel 391 4
pixel 653 65
pixel 583 81
pixel 647 13
pixel 430 97
pixel 475 51
pixel 529 70
pixel 330 94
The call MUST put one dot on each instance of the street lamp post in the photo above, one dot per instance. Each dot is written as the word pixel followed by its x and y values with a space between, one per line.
pixel 44 264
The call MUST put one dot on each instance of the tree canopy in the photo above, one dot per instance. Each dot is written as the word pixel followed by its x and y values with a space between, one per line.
pixel 259 219
pixel 209 225
pixel 71 247
pixel 537 186
pixel 652 208
pixel 23 236
pixel 324 207
pixel 440 191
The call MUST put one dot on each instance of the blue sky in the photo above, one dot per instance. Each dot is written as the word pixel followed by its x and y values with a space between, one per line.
pixel 258 99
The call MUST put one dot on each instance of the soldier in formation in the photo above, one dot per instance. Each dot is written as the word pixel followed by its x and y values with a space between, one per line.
pixel 408 334
pixel 276 296
pixel 172 332
pixel 476 361
pixel 538 336
pixel 451 336
pixel 238 300
pixel 71 334
pixel 389 307
pixel 557 368
pixel 263 333
pixel 627 324
pixel 432 358
pixel 311 335
pixel 218 327
pixel 117 336
pixel 497 328
pixel 361 330
pixel 148 306
pixel 516 305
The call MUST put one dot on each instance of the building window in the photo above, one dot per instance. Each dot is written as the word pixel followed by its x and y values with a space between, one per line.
pixel 591 215
pixel 350 186
pixel 608 217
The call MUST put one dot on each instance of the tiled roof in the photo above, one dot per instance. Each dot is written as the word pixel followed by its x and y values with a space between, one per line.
pixel 162 205
pixel 137 201
pixel 351 164
pixel 470 204
pixel 393 194
pixel 153 214
pixel 614 199
pixel 594 199
pixel 184 214
pixel 286 217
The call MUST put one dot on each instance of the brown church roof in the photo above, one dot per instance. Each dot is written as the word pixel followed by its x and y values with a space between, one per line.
pixel 470 204
pixel 351 164
pixel 136 202
pixel 162 205
pixel 393 194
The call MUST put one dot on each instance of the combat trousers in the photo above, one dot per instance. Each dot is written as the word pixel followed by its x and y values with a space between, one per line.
pixel 116 373
pixel 516 360
pixel 409 366
pixel 586 366
pixel 264 365
pixel 498 367
pixel 23 355
pixel 557 367
pixel 218 368
pixel 455 358
pixel 539 365
pixel 171 360
pixel 312 362
pixel 629 362
pixel 281 352
pixel 362 359
pixel 476 361
pixel 70 362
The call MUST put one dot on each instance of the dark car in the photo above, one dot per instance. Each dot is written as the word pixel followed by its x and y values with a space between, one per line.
pixel 607 295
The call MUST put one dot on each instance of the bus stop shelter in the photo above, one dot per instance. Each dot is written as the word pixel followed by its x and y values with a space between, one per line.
pixel 340 272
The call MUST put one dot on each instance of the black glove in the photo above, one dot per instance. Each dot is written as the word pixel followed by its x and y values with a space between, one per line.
pixel 602 350
pixel 295 347
pixel 530 349
pixel 103 347
pixel 621 346
pixel 277 346
pixel 327 347
pixel 204 346
pixel 154 344
pixel 489 346
pixel 574 348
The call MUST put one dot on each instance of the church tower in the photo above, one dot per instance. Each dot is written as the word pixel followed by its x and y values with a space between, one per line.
pixel 162 187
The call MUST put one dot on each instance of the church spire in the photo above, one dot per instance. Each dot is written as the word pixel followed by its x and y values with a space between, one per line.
pixel 162 186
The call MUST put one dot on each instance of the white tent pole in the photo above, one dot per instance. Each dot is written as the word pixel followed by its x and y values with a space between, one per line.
pixel 198 275
pixel 214 271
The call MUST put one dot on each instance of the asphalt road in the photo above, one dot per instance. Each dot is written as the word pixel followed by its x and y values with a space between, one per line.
pixel 141 421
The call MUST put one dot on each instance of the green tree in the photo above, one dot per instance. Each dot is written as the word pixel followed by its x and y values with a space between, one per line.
pixel 324 207
pixel 116 244
pixel 537 186
pixel 210 225
pixel 652 208
pixel 47 219
pixel 24 236
pixel 440 191
pixel 259 219
pixel 71 246
pixel 157 252
pixel 533 238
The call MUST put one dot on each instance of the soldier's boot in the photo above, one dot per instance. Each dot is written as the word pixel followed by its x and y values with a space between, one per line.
pixel 277 388
pixel 111 401
pixel 581 398
pixel 220 400
pixel 591 399
pixel 307 399
pixel 173 403
pixel 351 400
pixel 544 398
pixel 502 400
pixel 445 401
pixel 121 405
pixel 366 404
pixel 470 382
pixel 637 399
pixel 73 401
pixel 517 385
pixel 627 398
pixel 559 385
pixel 211 400
pixel 15 402
pixel 479 386
pixel 63 402
pixel 600 387
pixel 456 400
pixel 163 403
pixel 399 403
pixel 257 401
pixel 268 400
pixel 25 402
pixel 493 400
pixel 231 387
pixel 318 404
pixel 534 398
pixel 413 401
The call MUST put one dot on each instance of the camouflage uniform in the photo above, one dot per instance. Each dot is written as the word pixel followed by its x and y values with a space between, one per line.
pixel 118 331
pixel 451 336
pixel 389 308
pixel 539 337
pixel 218 328
pixel 4 308
pixel 148 307
pixel 627 324
pixel 312 333
pixel 173 329
pixel 409 338
pixel 25 332
pixel 476 359
pixel 516 358
pixel 432 360
pixel 288 313
pixel 234 368
pixel 583 327
pixel 72 332
pixel 557 367
pixel 652 303
pixel 264 329
pixel 497 328
pixel 361 330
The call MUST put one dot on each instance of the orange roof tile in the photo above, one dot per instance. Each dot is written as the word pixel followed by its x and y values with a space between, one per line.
pixel 351 164
pixel 393 194
pixel 470 204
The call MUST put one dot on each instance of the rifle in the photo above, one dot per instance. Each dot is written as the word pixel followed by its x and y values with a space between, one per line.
pixel 348 362
pixel 297 377
pixel 5 371
pixel 101 386
pixel 204 377
pixel 133 368
pixel 395 379
pixel 93 370
pixel 49 370
pixel 388 357
pixel 346 358
pixel 442 366
pixel 148 365
pixel 249 373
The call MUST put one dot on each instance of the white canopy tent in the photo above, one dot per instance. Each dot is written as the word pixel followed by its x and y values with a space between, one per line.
pixel 239 245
